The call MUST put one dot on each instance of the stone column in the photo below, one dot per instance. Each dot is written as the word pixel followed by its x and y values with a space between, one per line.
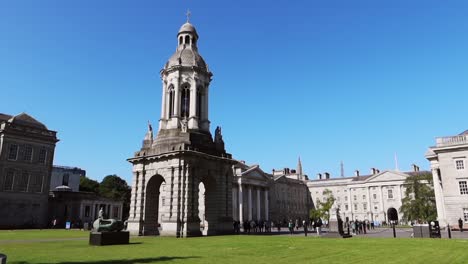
pixel 177 96
pixel 369 207
pixel 193 122
pixel 164 100
pixel 439 197
pixel 350 203
pixel 267 212
pixel 241 206
pixel 258 205
pixel 250 203
pixel 382 203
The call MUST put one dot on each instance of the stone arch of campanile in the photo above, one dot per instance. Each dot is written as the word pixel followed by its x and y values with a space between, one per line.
pixel 152 190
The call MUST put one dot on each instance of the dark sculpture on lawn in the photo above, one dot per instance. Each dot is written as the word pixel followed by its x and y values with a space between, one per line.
pixel 107 225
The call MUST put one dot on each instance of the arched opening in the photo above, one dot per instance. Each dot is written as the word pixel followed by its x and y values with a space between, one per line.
pixel 187 39
pixel 171 100
pixel 185 101
pixel 199 102
pixel 392 215
pixel 207 211
pixel 152 205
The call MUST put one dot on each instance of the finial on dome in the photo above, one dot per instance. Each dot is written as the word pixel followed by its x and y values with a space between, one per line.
pixel 188 14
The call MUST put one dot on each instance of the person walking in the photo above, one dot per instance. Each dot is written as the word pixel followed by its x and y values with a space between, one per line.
pixel 291 227
pixel 460 224
pixel 318 226
pixel 304 224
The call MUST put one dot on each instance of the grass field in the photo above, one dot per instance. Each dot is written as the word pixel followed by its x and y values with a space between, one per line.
pixel 44 247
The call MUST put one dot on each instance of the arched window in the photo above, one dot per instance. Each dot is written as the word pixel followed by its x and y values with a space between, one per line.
pixel 171 101
pixel 180 40
pixel 185 101
pixel 187 39
pixel 199 102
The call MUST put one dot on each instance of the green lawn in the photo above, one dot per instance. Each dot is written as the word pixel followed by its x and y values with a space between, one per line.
pixel 229 249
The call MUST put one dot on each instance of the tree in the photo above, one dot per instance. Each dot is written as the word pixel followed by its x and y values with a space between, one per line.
pixel 88 185
pixel 114 187
pixel 419 202
pixel 322 209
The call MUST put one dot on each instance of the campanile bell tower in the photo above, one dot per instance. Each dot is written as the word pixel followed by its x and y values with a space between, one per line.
pixel 169 169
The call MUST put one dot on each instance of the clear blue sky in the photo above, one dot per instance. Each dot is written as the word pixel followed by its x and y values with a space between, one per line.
pixel 356 81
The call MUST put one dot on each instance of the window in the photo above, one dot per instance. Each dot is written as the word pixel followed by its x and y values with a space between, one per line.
pixel 27 155
pixel 390 193
pixel 355 207
pixel 338 198
pixel 465 214
pixel 364 197
pixel 355 197
pixel 35 183
pixel 346 198
pixel 185 101
pixel 364 206
pixel 459 164
pixel 8 181
pixel 115 212
pixel 42 155
pixel 65 179
pixel 199 103
pixel 187 39
pixel 346 207
pixel 463 187
pixel 180 40
pixel 374 196
pixel 171 100
pixel 376 208
pixel 22 185
pixel 87 210
pixel 13 152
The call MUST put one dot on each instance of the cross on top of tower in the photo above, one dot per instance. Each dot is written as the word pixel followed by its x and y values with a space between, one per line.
pixel 188 14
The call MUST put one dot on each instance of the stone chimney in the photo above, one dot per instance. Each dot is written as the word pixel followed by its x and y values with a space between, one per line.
pixel 327 175
pixel 356 173
pixel 415 167
pixel 374 171
pixel 319 176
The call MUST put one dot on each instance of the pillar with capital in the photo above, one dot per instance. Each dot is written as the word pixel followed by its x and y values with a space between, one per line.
pixel 258 205
pixel 266 206
pixel 250 203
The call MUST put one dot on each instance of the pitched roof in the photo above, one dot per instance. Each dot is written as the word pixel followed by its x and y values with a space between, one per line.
pixel 464 133
pixel 22 119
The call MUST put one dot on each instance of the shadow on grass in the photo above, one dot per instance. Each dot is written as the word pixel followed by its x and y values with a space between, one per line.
pixel 122 261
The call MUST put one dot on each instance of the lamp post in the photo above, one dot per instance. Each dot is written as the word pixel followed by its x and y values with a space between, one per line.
pixel 393 226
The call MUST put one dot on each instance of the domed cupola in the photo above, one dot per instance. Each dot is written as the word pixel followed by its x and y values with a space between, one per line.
pixel 187 50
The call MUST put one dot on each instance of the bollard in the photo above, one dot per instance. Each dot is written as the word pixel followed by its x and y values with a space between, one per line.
pixel 449 232
pixel 3 258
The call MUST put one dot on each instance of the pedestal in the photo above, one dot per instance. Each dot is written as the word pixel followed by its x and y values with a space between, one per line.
pixel 109 238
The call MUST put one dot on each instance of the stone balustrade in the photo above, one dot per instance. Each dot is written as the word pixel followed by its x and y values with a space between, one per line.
pixel 451 141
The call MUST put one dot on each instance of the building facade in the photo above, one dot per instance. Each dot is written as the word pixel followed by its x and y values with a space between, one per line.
pixel 183 156
pixel 364 197
pixel 68 204
pixel 26 155
pixel 448 165
pixel 66 176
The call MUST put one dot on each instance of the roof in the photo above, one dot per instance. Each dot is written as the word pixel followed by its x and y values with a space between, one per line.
pixel 188 28
pixel 22 119
pixel 464 133
pixel 186 57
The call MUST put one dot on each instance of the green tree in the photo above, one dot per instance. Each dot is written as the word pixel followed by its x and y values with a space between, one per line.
pixel 419 202
pixel 88 185
pixel 322 209
pixel 114 187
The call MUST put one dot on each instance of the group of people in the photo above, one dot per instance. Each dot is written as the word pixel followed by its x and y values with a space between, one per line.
pixel 360 227
pixel 257 226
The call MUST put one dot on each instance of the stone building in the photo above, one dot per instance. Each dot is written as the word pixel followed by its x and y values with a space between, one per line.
pixel 183 156
pixel 364 197
pixel 68 203
pixel 66 176
pixel 80 207
pixel 290 196
pixel 26 155
pixel 278 197
pixel 448 164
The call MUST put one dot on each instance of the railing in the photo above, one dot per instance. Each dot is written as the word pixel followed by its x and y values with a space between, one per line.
pixel 451 141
